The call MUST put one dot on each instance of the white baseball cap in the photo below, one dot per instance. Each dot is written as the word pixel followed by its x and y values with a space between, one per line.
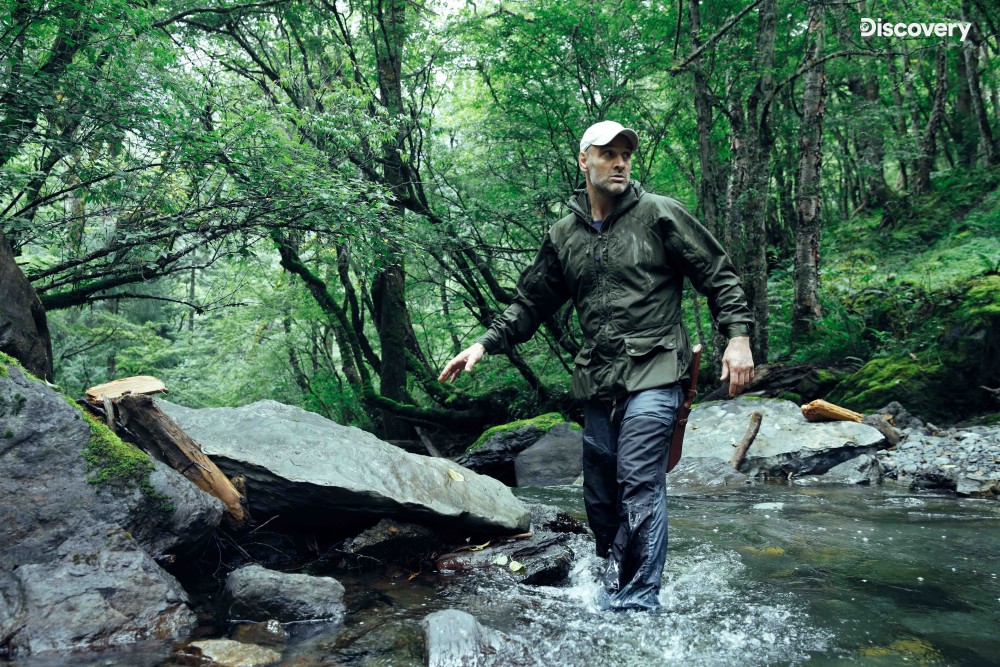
pixel 603 133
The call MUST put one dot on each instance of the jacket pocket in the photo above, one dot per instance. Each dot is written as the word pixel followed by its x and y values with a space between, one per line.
pixel 651 362
pixel 583 357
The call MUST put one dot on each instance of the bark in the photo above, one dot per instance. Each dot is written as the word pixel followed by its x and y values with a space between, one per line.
pixel 744 234
pixel 708 191
pixel 970 58
pixel 805 305
pixel 928 143
pixel 389 288
pixel 963 126
pixel 901 125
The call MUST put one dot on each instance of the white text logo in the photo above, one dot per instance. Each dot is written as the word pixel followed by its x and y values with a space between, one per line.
pixel 876 28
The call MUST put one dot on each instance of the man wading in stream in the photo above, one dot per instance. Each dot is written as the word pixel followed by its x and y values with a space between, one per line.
pixel 621 255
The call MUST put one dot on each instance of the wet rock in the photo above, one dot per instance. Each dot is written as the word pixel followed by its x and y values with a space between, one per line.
pixel 901 419
pixel 545 558
pixel 315 472
pixel 694 472
pixel 555 459
pixel 267 633
pixel 786 442
pixel 976 485
pixel 24 331
pixel 861 470
pixel 77 557
pixel 495 456
pixel 555 520
pixel 390 543
pixel 98 591
pixel 229 653
pixel 934 479
pixel 454 638
pixel 254 593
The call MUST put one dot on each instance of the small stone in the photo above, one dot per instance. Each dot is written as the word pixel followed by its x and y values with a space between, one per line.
pixel 229 653
pixel 942 460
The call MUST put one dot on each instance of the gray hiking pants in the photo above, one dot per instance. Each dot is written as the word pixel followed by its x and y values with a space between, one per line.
pixel 624 467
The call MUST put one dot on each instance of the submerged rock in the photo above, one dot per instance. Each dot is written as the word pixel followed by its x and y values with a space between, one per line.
pixel 694 473
pixel 544 559
pixel 863 470
pixel 454 638
pixel 555 459
pixel 82 516
pixel 390 543
pixel 254 593
pixel 229 653
pixel 313 471
pixel 786 442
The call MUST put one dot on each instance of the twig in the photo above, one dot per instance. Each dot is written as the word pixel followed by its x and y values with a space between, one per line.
pixel 748 438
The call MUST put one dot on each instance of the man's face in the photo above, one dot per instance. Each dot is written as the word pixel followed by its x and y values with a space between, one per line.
pixel 608 167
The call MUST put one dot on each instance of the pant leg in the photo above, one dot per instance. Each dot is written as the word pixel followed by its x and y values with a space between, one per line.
pixel 600 477
pixel 639 550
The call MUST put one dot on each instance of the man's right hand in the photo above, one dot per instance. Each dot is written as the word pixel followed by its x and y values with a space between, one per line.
pixel 465 359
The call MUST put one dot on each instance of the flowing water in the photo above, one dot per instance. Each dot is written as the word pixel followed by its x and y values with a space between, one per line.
pixel 767 575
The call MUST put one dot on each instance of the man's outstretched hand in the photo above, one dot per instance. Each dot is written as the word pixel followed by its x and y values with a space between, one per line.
pixel 465 359
pixel 737 364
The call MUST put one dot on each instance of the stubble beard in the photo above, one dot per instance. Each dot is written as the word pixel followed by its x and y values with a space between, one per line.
pixel 607 186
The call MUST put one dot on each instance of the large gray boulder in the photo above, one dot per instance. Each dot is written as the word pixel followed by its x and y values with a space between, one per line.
pixel 555 459
pixel 79 537
pixel 313 471
pixel 786 442
pixel 254 593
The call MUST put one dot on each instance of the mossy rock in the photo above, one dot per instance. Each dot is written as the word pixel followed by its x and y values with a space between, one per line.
pixel 880 381
pixel 541 422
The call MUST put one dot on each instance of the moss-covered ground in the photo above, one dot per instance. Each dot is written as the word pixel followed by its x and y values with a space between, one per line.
pixel 911 302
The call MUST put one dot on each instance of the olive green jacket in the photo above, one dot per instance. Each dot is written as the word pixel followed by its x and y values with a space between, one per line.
pixel 626 282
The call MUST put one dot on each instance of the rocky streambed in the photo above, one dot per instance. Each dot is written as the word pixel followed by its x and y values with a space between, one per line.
pixel 104 549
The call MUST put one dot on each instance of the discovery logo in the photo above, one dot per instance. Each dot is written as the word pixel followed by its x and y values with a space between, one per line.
pixel 876 28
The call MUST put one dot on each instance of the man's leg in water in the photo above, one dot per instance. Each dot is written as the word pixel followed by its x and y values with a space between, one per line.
pixel 600 478
pixel 639 550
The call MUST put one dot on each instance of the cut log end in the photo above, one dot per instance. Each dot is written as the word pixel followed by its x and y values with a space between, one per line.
pixel 820 410
pixel 140 384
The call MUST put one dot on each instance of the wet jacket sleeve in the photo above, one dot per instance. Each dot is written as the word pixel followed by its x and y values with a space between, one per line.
pixel 706 264
pixel 541 289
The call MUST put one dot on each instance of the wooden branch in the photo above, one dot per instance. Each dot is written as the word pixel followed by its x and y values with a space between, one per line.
pixel 820 410
pixel 164 439
pixel 741 452
pixel 677 69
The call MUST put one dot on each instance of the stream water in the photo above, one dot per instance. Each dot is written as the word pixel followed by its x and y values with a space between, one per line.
pixel 767 575
pixel 770 575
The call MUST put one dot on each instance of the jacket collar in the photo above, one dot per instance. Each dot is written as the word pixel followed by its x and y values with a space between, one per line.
pixel 579 203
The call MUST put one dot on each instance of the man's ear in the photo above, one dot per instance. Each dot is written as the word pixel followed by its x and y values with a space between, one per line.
pixel 582 160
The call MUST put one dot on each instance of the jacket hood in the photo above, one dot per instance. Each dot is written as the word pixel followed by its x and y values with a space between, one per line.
pixel 579 202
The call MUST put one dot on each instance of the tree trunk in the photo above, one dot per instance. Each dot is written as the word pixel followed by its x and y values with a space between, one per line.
pixel 389 289
pixel 708 196
pixel 963 127
pixel 805 304
pixel 744 235
pixel 928 143
pixel 970 58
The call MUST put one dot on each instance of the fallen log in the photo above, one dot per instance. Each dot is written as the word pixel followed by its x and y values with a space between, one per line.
pixel 163 438
pixel 820 410
pixel 748 438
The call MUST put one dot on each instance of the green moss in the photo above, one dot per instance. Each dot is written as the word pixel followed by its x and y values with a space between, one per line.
pixel 541 422
pixel 982 298
pixel 122 467
pixel 911 380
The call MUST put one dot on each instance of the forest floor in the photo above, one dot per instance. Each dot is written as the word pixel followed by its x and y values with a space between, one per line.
pixel 911 303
